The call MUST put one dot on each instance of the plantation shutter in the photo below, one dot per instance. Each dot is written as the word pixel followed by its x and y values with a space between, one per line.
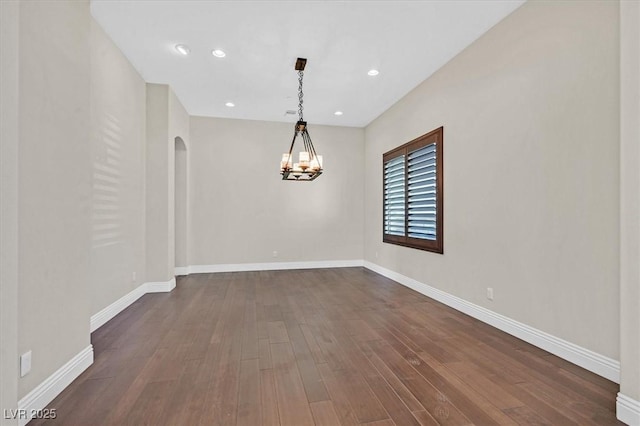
pixel 422 184
pixel 412 193
pixel 394 196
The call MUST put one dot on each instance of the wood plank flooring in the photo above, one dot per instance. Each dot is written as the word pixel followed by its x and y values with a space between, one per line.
pixel 325 347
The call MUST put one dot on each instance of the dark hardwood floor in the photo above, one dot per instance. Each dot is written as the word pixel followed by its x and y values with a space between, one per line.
pixel 325 347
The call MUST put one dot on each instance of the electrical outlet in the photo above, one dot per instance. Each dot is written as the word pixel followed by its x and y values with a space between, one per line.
pixel 275 253
pixel 133 276
pixel 25 363
pixel 490 293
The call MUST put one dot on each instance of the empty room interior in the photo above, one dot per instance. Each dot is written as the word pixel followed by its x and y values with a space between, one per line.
pixel 320 212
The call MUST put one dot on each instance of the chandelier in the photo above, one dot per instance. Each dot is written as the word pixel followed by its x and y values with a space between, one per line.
pixel 309 165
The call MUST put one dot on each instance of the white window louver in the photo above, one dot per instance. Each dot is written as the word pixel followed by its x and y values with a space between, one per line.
pixel 422 184
pixel 394 196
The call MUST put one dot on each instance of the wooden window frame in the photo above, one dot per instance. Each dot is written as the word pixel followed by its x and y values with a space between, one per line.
pixel 435 246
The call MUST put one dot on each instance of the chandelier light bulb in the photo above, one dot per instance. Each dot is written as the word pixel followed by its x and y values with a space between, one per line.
pixel 286 162
pixel 315 163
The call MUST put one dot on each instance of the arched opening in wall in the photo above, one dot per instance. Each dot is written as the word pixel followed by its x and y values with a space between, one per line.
pixel 181 203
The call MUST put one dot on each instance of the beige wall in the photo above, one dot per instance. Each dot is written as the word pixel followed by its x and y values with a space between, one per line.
pixel 157 184
pixel 118 173
pixel 630 200
pixel 9 78
pixel 166 119
pixel 181 203
pixel 54 185
pixel 178 122
pixel 241 210
pixel 531 161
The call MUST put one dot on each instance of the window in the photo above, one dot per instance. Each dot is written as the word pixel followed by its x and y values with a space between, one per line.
pixel 412 189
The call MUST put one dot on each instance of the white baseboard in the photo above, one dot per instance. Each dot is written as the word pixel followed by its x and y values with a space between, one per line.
pixel 181 270
pixel 628 410
pixel 273 266
pixel 594 362
pixel 46 391
pixel 161 287
pixel 99 319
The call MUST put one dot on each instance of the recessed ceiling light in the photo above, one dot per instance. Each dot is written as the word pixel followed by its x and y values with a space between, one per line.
pixel 183 49
pixel 230 104
pixel 218 53
pixel 373 72
pixel 337 113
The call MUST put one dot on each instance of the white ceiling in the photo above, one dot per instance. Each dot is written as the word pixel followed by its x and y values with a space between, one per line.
pixel 406 41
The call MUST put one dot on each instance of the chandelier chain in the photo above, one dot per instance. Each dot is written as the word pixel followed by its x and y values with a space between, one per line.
pixel 300 94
